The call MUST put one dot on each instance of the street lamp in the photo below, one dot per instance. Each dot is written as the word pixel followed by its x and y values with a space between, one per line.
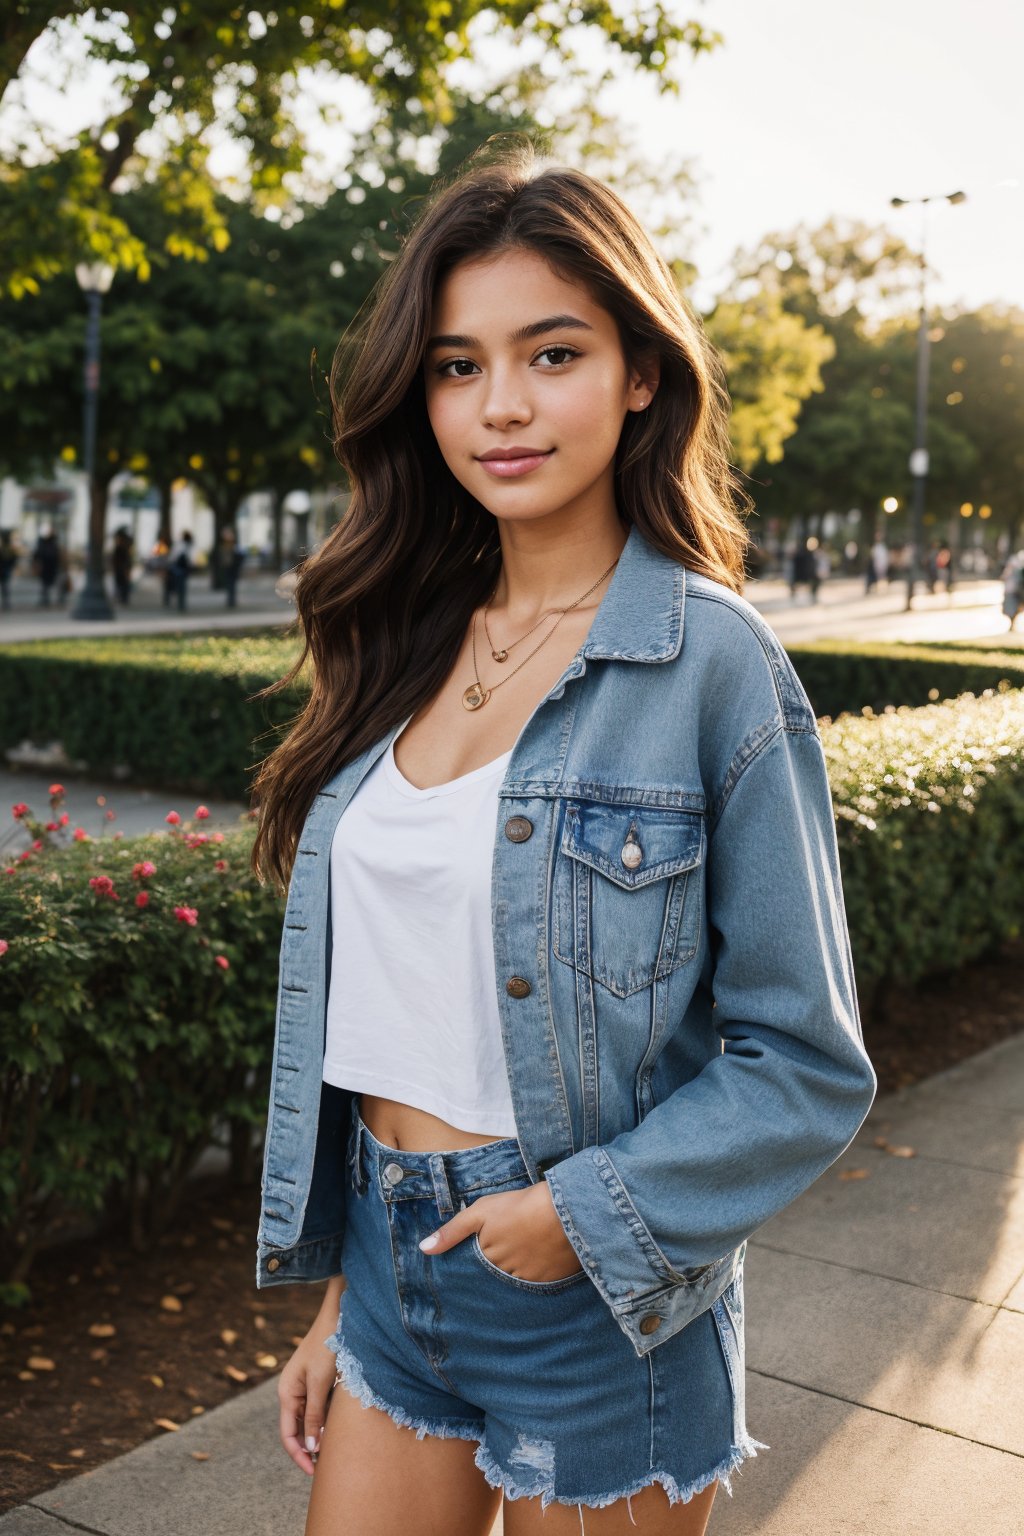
pixel 94 279
pixel 919 457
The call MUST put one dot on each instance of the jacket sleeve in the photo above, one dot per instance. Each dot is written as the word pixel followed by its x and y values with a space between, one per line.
pixel 792 1084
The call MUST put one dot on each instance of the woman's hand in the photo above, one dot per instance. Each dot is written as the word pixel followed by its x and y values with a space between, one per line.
pixel 303 1388
pixel 519 1232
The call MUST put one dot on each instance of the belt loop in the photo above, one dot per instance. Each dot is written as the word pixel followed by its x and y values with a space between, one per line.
pixel 359 1180
pixel 442 1189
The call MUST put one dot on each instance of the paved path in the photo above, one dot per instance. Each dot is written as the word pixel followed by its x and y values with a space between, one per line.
pixel 262 599
pixel 885 1355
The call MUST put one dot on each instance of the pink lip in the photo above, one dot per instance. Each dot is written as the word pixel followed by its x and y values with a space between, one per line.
pixel 517 463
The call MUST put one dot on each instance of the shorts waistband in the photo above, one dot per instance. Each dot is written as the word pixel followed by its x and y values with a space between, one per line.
pixel 447 1177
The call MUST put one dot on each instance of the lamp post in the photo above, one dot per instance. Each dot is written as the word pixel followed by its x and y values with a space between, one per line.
pixel 919 457
pixel 94 280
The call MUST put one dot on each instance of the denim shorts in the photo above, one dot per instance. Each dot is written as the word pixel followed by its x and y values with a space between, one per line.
pixel 539 1372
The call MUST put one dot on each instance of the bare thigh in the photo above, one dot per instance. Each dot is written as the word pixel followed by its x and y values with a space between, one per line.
pixel 652 1514
pixel 375 1478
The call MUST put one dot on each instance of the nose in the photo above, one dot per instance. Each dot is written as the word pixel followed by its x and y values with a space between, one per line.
pixel 506 400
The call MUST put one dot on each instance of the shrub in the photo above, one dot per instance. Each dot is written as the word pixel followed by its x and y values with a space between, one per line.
pixel 137 994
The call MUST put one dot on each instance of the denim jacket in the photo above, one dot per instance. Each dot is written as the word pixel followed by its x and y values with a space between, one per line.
pixel 674 978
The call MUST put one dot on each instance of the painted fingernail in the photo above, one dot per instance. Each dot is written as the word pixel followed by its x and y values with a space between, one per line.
pixel 429 1242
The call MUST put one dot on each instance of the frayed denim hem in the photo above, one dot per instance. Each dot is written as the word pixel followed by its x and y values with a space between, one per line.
pixel 540 1487
pixel 350 1376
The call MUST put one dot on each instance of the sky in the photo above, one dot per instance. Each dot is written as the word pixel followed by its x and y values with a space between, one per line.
pixel 811 109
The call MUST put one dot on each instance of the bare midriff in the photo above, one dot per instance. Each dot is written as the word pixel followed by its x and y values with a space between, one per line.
pixel 442 741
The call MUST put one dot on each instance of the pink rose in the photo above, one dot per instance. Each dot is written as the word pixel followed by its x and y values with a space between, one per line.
pixel 56 790
pixel 144 870
pixel 80 835
pixel 19 810
pixel 104 886
pixel 172 819
pixel 65 818
pixel 201 813
pixel 110 815
pixel 3 946
pixel 142 899
pixel 216 837
pixel 188 915
pixel 223 962
pixel 52 826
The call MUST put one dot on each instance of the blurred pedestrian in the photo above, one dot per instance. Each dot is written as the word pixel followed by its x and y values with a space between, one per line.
pixel 46 564
pixel 8 561
pixel 1013 586
pixel 944 565
pixel 180 567
pixel 805 570
pixel 121 561
pixel 877 568
pixel 231 561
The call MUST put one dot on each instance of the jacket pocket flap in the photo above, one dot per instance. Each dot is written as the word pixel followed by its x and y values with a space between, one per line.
pixel 633 845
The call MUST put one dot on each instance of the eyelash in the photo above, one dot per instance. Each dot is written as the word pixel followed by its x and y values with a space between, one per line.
pixel 555 367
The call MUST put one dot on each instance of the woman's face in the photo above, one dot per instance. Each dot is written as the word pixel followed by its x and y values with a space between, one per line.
pixel 563 390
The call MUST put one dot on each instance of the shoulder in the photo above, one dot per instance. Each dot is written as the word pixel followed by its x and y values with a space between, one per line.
pixel 736 652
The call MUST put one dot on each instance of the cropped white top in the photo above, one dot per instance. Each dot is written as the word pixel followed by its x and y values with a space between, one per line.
pixel 412 1012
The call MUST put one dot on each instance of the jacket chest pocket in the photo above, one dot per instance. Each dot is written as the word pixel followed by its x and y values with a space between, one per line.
pixel 626 899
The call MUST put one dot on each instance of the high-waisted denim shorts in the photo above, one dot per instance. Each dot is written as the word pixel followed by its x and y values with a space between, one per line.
pixel 538 1372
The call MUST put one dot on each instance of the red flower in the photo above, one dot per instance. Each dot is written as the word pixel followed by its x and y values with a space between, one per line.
pixel 110 815
pixel 220 863
pixel 104 886
pixel 142 899
pixel 23 856
pixel 188 915
pixel 52 826
pixel 65 818
pixel 37 844
pixel 201 813
pixel 144 870
pixel 56 790
pixel 172 819
pixel 223 962
pixel 80 835
pixel 216 837
pixel 3 946
pixel 19 810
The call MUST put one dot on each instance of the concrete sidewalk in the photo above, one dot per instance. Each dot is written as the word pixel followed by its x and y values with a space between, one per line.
pixel 885 1339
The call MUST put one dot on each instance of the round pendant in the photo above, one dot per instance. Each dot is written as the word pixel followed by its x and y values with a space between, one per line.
pixel 500 655
pixel 474 696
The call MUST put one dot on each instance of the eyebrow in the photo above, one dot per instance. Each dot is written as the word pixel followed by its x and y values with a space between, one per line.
pixel 524 333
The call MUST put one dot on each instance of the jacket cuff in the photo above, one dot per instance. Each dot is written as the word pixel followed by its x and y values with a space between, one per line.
pixel 648 1299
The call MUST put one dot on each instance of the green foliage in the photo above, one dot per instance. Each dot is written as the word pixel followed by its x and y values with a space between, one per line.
pixel 929 809
pixel 128 1046
pixel 841 675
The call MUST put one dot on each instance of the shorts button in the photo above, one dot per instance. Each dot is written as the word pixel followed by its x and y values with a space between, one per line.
pixel 650 1322
pixel 273 1264
pixel 518 986
pixel 518 829
pixel 394 1173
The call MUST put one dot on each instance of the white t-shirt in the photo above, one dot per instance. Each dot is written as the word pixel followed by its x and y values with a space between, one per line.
pixel 412 1011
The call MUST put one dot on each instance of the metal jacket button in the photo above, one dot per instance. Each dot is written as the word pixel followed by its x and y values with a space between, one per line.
pixel 518 829
pixel 394 1173
pixel 650 1322
pixel 273 1264
pixel 632 855
pixel 518 986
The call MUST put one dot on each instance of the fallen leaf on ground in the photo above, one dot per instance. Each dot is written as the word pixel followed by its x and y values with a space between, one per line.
pixel 266 1362
pixel 157 1381
pixel 166 1424
pixel 854 1173
pixel 235 1373
pixel 228 1335
pixel 102 1330
pixel 40 1363
pixel 200 1455
pixel 170 1303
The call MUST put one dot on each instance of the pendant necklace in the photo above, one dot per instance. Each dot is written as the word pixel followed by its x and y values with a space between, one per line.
pixel 476 695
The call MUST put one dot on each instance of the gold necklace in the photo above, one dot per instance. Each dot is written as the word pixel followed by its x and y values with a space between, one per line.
pixel 476 695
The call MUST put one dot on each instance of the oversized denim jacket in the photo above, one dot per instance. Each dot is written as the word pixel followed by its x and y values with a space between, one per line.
pixel 674 979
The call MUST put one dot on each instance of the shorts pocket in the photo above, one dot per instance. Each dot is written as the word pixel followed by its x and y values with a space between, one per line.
pixel 538 1286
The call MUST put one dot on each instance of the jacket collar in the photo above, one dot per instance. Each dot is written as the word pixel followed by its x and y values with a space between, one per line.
pixel 640 617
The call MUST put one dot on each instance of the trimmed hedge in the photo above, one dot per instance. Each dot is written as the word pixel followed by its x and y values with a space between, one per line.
pixel 175 711
pixel 127 1045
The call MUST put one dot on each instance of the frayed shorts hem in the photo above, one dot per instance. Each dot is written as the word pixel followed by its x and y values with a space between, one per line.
pixel 350 1376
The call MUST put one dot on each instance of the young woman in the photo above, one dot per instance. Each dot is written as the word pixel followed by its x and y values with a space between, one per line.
pixel 567 1007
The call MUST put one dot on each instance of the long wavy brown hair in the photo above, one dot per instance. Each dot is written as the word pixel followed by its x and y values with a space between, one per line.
pixel 384 604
